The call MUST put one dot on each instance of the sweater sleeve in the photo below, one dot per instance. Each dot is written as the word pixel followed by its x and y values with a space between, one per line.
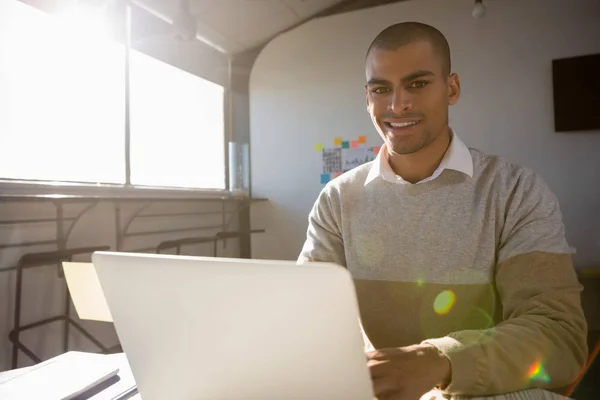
pixel 324 240
pixel 541 341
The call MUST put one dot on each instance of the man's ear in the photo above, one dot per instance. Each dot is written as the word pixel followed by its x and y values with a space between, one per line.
pixel 453 89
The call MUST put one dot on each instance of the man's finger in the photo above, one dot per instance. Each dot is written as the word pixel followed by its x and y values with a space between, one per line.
pixel 377 355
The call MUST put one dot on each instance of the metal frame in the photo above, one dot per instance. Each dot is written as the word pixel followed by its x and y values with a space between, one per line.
pixel 36 260
pixel 61 237
pixel 127 94
pixel 122 231
pixel 220 236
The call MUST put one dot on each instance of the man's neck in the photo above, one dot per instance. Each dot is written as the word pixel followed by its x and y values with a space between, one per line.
pixel 417 166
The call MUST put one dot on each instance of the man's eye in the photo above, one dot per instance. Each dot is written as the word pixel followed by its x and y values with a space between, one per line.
pixel 419 84
pixel 380 90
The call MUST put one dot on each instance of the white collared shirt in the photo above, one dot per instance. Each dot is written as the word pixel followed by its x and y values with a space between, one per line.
pixel 457 157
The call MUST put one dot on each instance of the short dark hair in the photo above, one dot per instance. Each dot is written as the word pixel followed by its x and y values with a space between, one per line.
pixel 403 33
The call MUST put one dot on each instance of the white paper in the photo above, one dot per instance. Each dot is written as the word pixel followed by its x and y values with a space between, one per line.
pixel 61 378
pixel 332 160
pixel 352 158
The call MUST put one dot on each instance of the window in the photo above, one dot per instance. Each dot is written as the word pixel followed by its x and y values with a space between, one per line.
pixel 62 110
pixel 61 102
pixel 177 127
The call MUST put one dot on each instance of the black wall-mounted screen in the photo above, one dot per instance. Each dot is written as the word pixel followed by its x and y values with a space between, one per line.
pixel 576 84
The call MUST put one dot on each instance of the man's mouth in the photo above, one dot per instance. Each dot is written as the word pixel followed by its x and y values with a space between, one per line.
pixel 401 125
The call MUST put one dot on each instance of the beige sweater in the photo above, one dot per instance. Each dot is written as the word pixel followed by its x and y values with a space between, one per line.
pixel 477 266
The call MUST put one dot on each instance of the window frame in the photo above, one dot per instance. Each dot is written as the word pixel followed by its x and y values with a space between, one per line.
pixel 45 187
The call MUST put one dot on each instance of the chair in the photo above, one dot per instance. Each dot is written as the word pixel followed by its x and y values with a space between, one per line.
pixel 35 260
pixel 223 235
pixel 177 243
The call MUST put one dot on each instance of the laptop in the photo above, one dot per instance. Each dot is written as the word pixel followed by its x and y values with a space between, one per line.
pixel 223 328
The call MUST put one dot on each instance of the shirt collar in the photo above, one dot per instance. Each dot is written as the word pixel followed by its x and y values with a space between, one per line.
pixel 457 157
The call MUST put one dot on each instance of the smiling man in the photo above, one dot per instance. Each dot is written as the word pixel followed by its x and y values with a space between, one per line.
pixel 462 270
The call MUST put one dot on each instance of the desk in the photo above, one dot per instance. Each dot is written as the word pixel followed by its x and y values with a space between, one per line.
pixel 127 381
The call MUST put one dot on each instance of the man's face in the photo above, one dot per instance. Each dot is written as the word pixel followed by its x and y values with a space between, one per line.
pixel 408 93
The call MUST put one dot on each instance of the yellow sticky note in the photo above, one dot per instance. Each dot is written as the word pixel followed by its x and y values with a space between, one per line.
pixel 319 147
pixel 362 139
pixel 337 141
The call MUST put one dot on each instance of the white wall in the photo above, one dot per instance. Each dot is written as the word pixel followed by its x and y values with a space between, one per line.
pixel 307 87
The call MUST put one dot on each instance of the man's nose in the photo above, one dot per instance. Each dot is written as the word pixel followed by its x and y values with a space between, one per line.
pixel 401 102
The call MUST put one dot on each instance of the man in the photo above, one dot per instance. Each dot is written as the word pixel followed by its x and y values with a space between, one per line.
pixel 462 271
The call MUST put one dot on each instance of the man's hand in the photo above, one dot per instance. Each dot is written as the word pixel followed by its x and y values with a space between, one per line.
pixel 406 373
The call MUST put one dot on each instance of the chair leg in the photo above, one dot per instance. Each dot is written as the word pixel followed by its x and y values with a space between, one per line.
pixel 67 318
pixel 17 319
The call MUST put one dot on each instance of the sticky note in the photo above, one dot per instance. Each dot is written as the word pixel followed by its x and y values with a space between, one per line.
pixel 337 174
pixel 319 147
pixel 376 149
pixel 337 141
pixel 362 139
pixel 354 144
pixel 345 144
pixel 325 178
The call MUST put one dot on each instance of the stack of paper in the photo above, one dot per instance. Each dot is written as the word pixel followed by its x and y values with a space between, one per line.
pixel 61 378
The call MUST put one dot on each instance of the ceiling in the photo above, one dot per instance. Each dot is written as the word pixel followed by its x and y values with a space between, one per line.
pixel 228 26
pixel 234 26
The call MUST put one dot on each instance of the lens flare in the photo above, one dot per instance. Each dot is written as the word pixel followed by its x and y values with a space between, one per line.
pixel 444 302
pixel 538 373
pixel 488 317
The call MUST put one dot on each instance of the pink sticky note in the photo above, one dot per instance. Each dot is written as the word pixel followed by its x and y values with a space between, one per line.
pixel 337 174
pixel 354 144
pixel 362 139
pixel 376 149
